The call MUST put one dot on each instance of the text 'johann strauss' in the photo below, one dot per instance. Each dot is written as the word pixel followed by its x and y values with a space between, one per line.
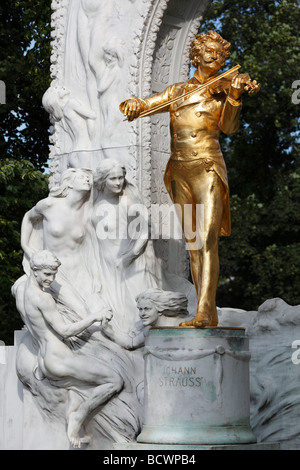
pixel 179 377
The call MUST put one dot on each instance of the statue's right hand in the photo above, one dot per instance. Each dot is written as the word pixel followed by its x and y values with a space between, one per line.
pixel 131 108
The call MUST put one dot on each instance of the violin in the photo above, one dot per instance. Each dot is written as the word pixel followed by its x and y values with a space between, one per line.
pixel 223 83
pixel 215 85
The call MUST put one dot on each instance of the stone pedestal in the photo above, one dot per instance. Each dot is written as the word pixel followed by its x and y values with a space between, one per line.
pixel 197 387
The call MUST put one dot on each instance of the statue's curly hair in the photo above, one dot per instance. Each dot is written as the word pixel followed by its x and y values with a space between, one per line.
pixel 201 39
pixel 44 259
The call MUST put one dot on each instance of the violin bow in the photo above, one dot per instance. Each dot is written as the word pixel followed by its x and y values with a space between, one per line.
pixel 151 111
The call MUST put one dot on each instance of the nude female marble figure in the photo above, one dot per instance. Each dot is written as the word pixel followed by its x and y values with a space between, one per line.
pixel 60 223
pixel 121 252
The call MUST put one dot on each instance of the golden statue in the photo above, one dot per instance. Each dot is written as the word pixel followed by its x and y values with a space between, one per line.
pixel 196 171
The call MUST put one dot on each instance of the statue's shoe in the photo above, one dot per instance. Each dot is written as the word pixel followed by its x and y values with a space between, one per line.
pixel 202 321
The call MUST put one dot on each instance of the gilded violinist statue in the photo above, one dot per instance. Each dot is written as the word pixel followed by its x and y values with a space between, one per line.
pixel 196 171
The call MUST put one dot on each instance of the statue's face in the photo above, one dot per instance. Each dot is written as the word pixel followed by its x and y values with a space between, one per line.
pixel 115 181
pixel 45 276
pixel 212 57
pixel 82 181
pixel 147 312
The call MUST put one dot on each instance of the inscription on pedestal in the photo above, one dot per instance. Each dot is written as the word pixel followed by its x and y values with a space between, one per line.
pixel 196 387
pixel 179 376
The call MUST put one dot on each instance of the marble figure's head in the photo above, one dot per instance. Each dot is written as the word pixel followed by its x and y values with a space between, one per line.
pixel 54 100
pixel 105 170
pixel 155 302
pixel 77 178
pixel 44 259
pixel 44 265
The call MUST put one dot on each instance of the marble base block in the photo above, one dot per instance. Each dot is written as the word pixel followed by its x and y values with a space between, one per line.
pixel 197 387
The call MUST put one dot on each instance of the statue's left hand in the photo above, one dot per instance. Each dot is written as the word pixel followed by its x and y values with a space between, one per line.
pixel 238 85
pixel 131 108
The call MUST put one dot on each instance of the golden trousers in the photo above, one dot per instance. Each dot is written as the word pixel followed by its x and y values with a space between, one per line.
pixel 192 182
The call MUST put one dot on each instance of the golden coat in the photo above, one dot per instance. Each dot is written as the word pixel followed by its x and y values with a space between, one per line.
pixel 195 125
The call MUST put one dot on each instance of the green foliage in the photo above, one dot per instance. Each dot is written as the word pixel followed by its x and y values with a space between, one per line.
pixel 25 69
pixel 21 186
pixel 261 259
pixel 265 41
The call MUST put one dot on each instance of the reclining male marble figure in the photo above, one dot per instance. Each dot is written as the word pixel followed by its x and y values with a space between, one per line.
pixel 56 361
